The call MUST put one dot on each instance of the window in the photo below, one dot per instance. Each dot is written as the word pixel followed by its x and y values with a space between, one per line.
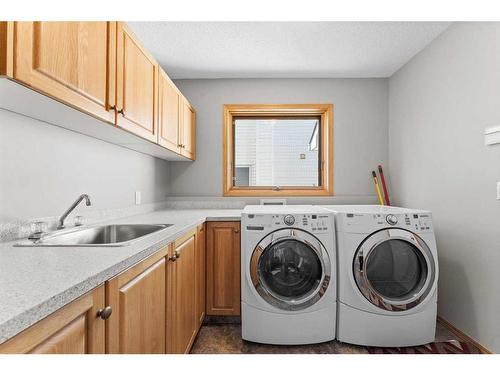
pixel 273 150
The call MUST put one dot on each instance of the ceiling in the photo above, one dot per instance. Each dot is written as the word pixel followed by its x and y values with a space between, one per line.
pixel 284 49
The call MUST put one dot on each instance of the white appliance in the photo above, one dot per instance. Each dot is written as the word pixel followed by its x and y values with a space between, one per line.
pixel 288 275
pixel 388 273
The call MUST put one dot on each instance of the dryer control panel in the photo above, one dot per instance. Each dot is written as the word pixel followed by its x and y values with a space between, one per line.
pixel 314 223
pixel 415 222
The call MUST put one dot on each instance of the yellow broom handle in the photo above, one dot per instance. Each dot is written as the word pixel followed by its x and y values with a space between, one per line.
pixel 377 188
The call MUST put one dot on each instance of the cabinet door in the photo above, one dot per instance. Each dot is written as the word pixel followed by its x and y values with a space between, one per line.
pixel 73 62
pixel 188 131
pixel 200 274
pixel 74 329
pixel 136 93
pixel 185 318
pixel 168 114
pixel 138 300
pixel 223 268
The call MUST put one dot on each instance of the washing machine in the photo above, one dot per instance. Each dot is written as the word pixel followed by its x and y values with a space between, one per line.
pixel 388 275
pixel 288 275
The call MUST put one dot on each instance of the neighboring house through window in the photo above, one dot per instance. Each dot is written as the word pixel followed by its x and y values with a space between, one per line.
pixel 278 150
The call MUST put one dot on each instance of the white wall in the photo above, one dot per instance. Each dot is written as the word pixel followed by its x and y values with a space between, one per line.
pixel 43 169
pixel 360 128
pixel 440 103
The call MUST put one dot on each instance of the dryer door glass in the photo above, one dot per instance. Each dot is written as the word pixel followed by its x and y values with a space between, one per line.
pixel 396 269
pixel 290 269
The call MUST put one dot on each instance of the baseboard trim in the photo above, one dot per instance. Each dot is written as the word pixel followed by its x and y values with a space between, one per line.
pixel 462 336
pixel 222 319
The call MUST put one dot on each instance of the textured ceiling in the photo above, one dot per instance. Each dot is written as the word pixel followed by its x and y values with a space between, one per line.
pixel 284 49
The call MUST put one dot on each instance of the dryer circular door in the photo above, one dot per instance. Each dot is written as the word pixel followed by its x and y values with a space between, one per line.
pixel 394 269
pixel 290 269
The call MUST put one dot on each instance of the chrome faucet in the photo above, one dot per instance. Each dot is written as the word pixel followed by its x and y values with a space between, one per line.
pixel 72 207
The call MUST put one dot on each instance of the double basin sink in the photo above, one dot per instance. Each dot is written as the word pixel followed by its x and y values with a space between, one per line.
pixel 104 235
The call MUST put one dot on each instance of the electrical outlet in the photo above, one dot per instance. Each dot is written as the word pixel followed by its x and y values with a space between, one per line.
pixel 498 190
pixel 137 197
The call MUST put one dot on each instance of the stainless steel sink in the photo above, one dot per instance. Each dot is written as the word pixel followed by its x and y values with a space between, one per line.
pixel 106 235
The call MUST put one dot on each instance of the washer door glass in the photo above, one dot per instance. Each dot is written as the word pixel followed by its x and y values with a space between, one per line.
pixel 396 269
pixel 290 269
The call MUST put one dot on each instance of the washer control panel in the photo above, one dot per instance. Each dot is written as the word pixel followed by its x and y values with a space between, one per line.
pixel 289 219
pixel 314 223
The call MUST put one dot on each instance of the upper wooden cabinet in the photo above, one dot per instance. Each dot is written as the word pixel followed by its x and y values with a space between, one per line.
pixel 74 329
pixel 136 86
pixel 176 119
pixel 138 299
pixel 73 62
pixel 223 268
pixel 168 114
pixel 188 131
pixel 99 68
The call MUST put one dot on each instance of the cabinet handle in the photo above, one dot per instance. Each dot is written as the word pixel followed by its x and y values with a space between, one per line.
pixel 173 258
pixel 179 145
pixel 236 231
pixel 177 254
pixel 105 313
pixel 121 111
pixel 112 107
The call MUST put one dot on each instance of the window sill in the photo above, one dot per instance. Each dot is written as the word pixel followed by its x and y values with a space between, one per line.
pixel 285 192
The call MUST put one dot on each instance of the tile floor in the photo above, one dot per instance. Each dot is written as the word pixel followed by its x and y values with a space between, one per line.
pixel 225 338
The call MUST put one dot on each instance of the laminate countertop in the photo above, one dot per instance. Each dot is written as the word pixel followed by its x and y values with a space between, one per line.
pixel 37 281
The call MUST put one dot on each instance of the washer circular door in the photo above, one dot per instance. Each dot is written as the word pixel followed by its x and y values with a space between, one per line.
pixel 394 269
pixel 290 269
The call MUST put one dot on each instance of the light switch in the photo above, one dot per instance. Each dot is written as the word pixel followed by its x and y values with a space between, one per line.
pixel 137 197
pixel 498 190
pixel 492 135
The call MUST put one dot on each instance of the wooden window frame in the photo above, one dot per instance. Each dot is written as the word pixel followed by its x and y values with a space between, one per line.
pixel 324 111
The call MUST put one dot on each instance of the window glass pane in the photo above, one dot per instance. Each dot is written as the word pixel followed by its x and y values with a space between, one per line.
pixel 277 152
pixel 242 175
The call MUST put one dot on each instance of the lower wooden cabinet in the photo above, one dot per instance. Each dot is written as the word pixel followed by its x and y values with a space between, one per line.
pixel 200 274
pixel 184 319
pixel 76 328
pixel 223 268
pixel 138 299
pixel 155 306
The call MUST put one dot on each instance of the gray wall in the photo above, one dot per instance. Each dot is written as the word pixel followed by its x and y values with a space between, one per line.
pixel 360 128
pixel 440 103
pixel 44 168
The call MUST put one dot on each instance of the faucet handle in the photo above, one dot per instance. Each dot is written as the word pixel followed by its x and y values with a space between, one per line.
pixel 79 220
pixel 38 229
